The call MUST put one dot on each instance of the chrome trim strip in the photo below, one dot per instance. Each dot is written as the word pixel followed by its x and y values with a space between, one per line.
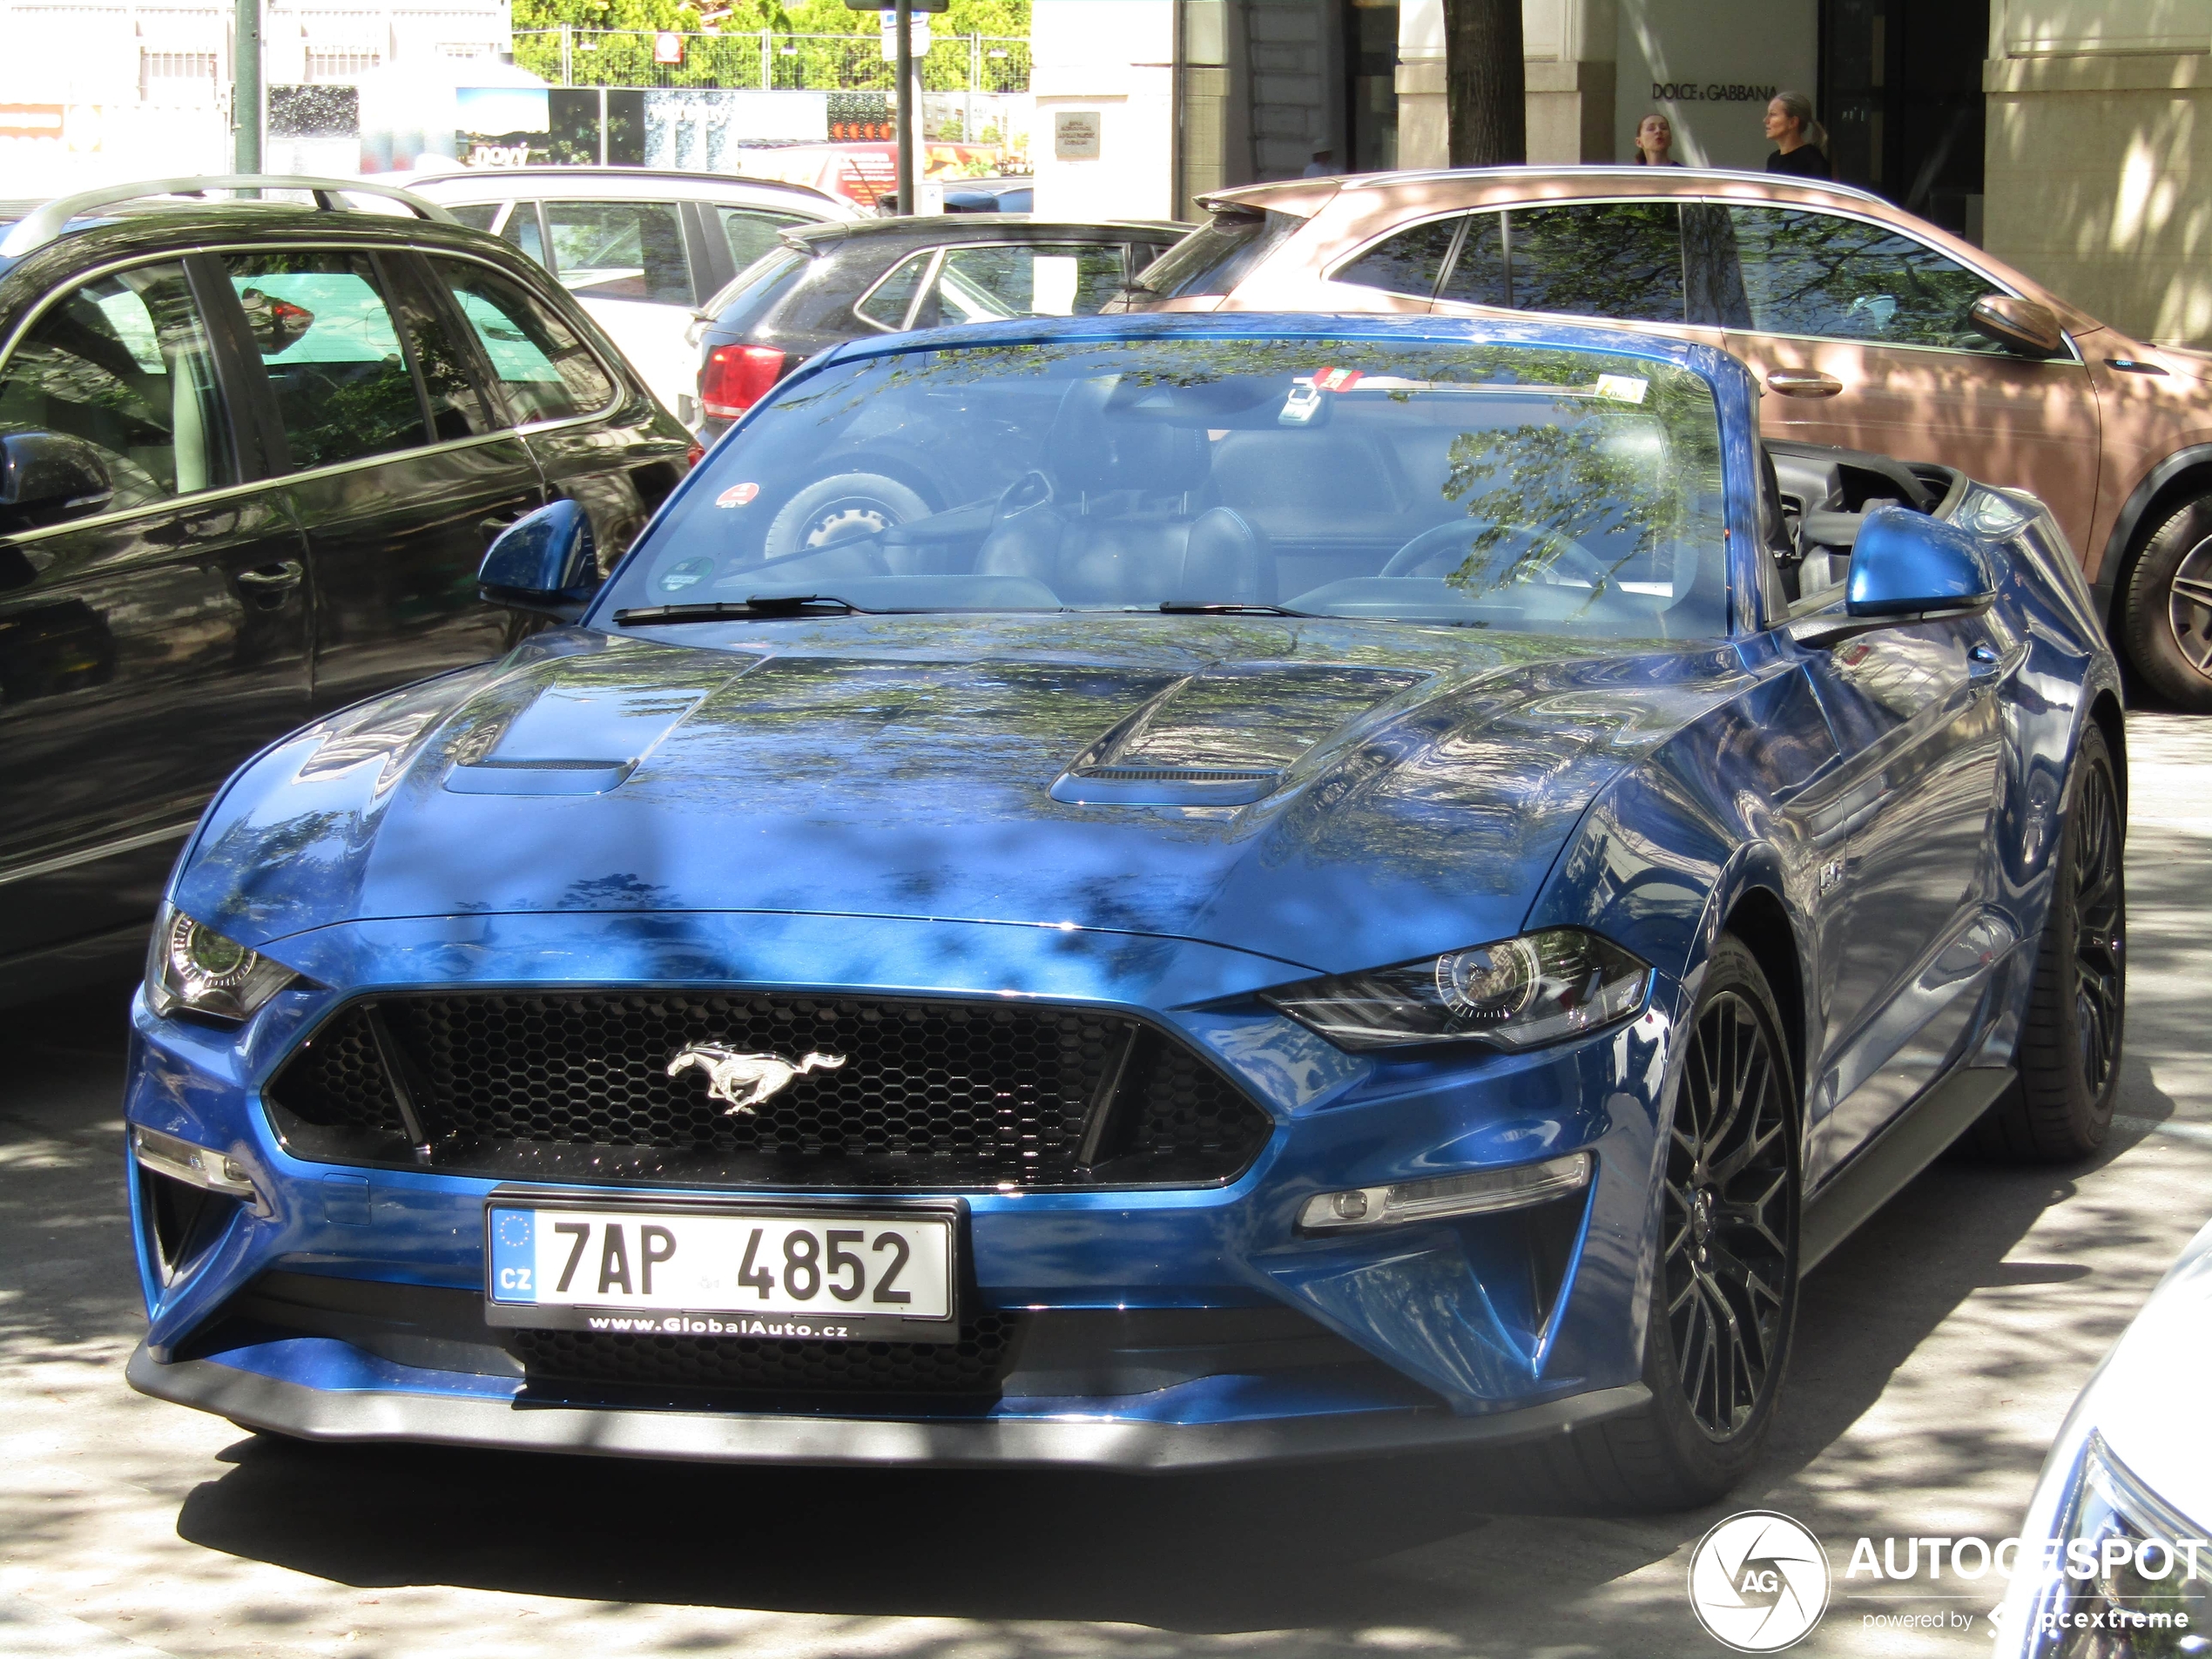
pixel 196 1166
pixel 93 854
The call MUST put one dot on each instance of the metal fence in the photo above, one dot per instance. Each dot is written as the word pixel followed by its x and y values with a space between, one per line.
pixel 765 62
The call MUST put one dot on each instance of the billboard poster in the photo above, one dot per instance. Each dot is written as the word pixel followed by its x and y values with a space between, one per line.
pixel 501 126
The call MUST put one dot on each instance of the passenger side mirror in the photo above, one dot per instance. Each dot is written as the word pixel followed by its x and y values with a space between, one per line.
pixel 544 563
pixel 2022 327
pixel 49 478
pixel 1906 567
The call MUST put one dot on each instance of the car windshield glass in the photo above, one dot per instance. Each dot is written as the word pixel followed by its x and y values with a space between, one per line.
pixel 1503 486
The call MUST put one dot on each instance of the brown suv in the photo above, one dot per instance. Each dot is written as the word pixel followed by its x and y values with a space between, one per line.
pixel 1874 330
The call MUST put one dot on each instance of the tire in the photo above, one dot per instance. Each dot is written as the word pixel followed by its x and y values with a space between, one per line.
pixel 839 507
pixel 2060 1110
pixel 2166 610
pixel 1713 1397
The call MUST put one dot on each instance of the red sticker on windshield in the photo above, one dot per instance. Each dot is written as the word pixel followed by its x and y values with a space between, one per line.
pixel 1337 379
pixel 737 494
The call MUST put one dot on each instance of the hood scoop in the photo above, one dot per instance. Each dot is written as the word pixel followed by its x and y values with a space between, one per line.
pixel 574 740
pixel 1225 738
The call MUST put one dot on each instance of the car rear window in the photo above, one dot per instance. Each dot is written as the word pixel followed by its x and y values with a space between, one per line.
pixel 1215 256
pixel 747 297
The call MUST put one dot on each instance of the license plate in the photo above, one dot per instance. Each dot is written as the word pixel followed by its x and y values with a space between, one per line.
pixel 723 1270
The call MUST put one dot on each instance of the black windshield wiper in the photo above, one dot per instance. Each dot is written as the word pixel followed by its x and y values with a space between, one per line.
pixel 1193 608
pixel 767 606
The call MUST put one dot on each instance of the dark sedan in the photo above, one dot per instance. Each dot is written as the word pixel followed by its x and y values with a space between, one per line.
pixel 823 287
pixel 251 454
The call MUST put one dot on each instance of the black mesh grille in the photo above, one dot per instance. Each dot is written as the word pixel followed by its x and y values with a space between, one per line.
pixel 973 1367
pixel 575 1086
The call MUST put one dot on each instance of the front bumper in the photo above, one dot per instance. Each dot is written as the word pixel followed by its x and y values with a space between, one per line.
pixel 255 1401
pixel 1441 1338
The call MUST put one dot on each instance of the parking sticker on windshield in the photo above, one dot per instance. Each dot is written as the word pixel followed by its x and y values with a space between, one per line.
pixel 1623 389
pixel 1337 379
pixel 687 573
pixel 737 494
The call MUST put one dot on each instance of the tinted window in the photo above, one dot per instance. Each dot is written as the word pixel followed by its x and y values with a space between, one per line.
pixel 124 364
pixel 1813 274
pixel 748 298
pixel 751 233
pixel 1215 256
pixel 1014 279
pixel 1621 260
pixel 544 371
pixel 448 382
pixel 477 216
pixel 887 304
pixel 620 250
pixel 521 230
pixel 326 334
pixel 1478 276
pixel 1409 263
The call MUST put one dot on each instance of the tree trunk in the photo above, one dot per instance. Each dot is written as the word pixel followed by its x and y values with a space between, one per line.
pixel 1485 85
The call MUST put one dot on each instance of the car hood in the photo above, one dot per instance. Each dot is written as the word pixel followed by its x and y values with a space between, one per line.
pixel 1330 795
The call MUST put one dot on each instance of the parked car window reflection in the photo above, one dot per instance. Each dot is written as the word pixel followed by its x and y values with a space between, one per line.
pixel 620 250
pixel 751 234
pixel 1478 276
pixel 1831 278
pixel 1409 263
pixel 124 364
pixel 545 373
pixel 992 284
pixel 521 230
pixel 887 304
pixel 1621 260
pixel 327 338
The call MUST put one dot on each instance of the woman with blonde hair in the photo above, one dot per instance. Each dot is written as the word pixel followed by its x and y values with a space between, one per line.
pixel 1800 142
pixel 1656 142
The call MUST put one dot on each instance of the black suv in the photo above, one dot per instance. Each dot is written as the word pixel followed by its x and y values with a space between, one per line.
pixel 251 453
pixel 830 283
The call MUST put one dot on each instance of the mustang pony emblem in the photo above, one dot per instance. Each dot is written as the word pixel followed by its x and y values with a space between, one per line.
pixel 745 1080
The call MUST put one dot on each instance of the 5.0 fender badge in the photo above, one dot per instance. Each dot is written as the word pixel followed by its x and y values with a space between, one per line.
pixel 745 1080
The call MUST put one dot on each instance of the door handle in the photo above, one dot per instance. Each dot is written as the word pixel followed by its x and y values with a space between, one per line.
pixel 1803 382
pixel 272 578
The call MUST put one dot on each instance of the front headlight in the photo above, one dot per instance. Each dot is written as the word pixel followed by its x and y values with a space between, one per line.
pixel 2126 1575
pixel 194 969
pixel 1517 994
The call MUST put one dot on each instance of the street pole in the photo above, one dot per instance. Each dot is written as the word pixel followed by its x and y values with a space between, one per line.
pixel 246 86
pixel 908 152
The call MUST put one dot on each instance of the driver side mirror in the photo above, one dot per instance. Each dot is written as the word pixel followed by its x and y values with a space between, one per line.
pixel 1906 567
pixel 544 563
pixel 48 478
pixel 2022 327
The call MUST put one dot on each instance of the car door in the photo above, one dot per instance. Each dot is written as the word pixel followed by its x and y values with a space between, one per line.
pixel 1859 332
pixel 400 474
pixel 1633 263
pixel 595 441
pixel 1899 831
pixel 152 637
pixel 630 266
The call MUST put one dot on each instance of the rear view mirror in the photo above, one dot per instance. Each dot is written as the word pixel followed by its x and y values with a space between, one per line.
pixel 2022 327
pixel 49 478
pixel 1906 567
pixel 545 562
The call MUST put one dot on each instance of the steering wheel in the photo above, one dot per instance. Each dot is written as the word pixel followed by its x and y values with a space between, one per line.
pixel 1566 554
pixel 1026 494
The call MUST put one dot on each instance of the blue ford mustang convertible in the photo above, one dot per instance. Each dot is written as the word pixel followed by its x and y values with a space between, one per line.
pixel 1330 886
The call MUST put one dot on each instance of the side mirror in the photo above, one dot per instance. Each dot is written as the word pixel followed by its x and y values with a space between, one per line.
pixel 50 477
pixel 2022 327
pixel 1906 567
pixel 545 562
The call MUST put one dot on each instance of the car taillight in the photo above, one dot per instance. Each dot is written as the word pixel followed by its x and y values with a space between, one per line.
pixel 737 377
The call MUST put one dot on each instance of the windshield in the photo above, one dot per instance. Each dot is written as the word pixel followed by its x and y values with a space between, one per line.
pixel 1485 485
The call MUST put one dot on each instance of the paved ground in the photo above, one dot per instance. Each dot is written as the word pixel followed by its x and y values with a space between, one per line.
pixel 1937 1353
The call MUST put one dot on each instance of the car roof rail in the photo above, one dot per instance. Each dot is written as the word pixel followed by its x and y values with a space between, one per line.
pixel 42 224
pixel 1430 175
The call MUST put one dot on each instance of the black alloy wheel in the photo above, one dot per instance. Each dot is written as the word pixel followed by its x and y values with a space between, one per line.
pixel 1723 1296
pixel 1727 1222
pixel 2166 615
pixel 2069 1052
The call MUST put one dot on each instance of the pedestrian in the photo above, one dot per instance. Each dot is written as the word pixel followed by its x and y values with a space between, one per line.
pixel 1322 166
pixel 1801 143
pixel 1656 142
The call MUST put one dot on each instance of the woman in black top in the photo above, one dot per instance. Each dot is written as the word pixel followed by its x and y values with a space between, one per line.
pixel 1800 142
